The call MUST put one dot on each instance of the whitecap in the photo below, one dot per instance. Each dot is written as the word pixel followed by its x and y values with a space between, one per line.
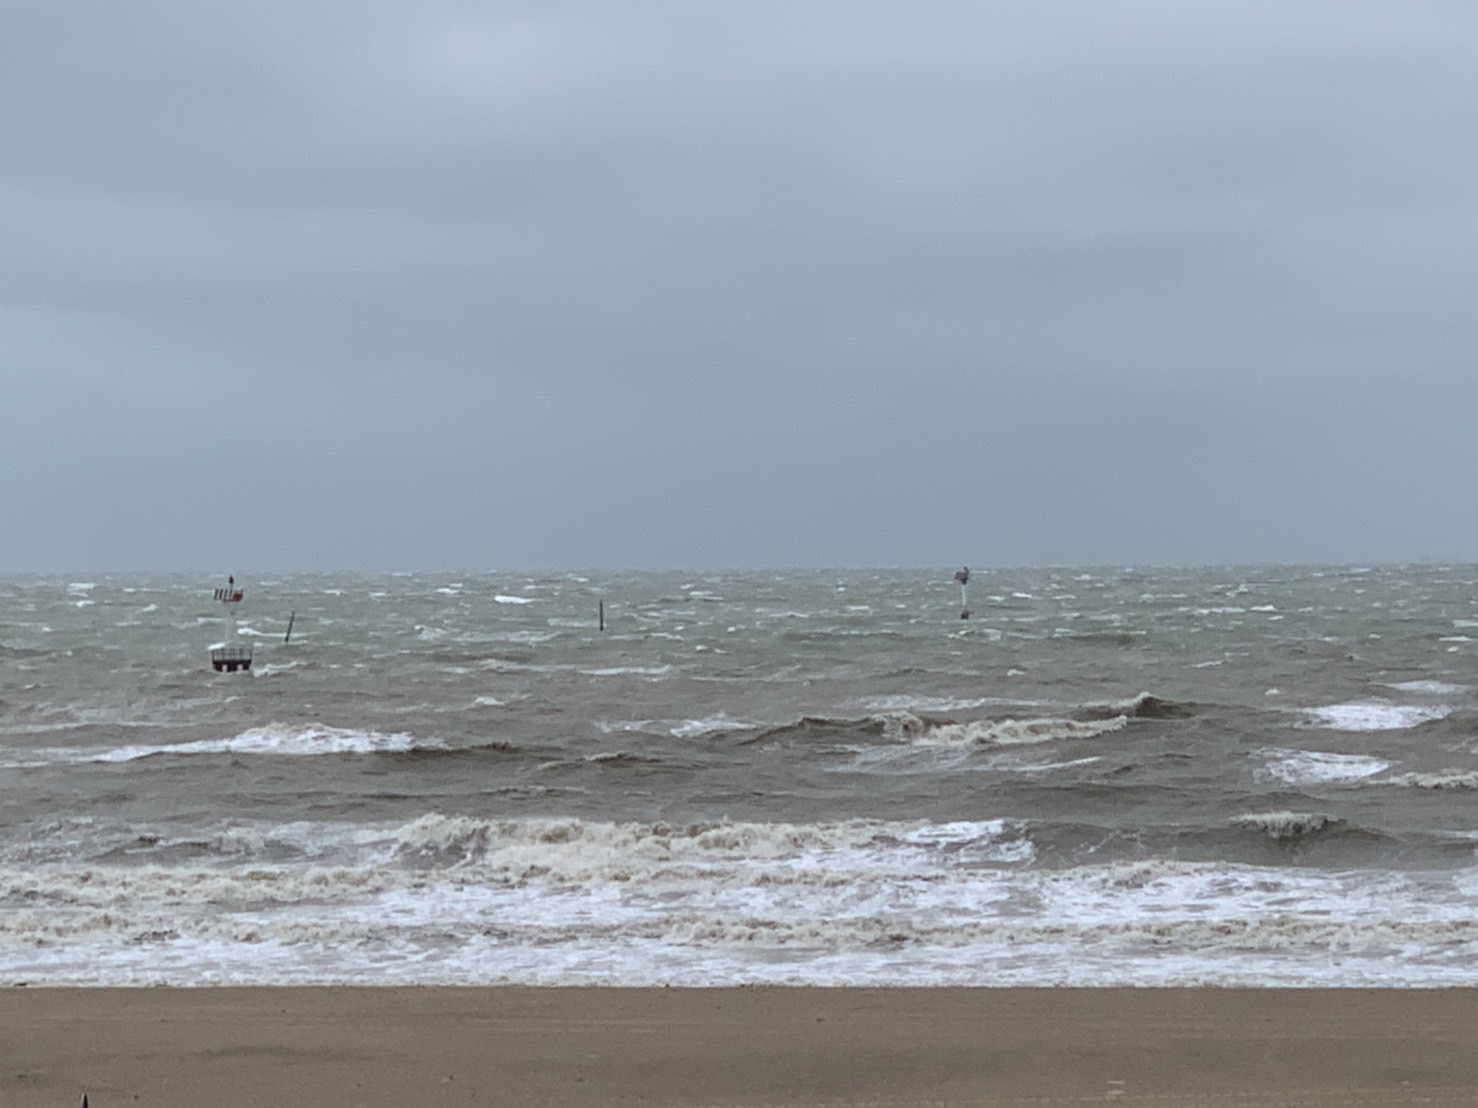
pixel 1008 732
pixel 628 671
pixel 1374 715
pixel 271 670
pixel 273 739
pixel 611 726
pixel 1313 767
pixel 1285 824
pixel 1435 688
pixel 1458 779
pixel 904 702
pixel 713 725
pixel 1047 767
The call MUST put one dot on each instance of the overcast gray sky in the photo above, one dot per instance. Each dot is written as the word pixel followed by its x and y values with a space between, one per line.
pixel 394 285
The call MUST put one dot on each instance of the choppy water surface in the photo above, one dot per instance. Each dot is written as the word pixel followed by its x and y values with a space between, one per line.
pixel 1252 775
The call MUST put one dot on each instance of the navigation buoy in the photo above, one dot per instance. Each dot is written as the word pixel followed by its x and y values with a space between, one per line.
pixel 230 655
pixel 963 577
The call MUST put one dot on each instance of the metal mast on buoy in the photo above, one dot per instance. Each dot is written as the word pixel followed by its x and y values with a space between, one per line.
pixel 230 655
pixel 963 577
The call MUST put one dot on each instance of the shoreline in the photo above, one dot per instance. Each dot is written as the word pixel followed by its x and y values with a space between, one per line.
pixel 774 1046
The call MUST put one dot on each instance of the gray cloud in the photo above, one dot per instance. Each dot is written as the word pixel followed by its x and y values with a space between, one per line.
pixel 648 284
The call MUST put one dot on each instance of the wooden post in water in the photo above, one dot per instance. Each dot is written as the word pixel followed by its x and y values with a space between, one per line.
pixel 602 615
pixel 290 625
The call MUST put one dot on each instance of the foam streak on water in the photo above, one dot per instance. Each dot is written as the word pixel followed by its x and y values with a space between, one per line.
pixel 1103 777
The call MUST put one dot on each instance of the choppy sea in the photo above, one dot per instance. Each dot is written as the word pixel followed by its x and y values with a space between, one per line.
pixel 1248 776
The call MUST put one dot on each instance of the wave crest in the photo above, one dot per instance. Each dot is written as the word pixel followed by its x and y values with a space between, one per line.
pixel 1442 779
pixel 1144 706
pixel 579 850
pixel 1011 732
pixel 272 739
pixel 1288 826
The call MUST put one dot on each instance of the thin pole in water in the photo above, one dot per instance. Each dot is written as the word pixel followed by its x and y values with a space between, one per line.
pixel 290 625
pixel 602 615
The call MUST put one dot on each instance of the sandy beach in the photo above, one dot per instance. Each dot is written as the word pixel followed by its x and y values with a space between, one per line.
pixel 331 1047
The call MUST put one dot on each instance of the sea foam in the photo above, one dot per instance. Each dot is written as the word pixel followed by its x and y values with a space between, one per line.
pixel 1313 767
pixel 1374 715
pixel 468 900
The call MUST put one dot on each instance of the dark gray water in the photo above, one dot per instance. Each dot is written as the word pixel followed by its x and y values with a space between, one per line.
pixel 1240 775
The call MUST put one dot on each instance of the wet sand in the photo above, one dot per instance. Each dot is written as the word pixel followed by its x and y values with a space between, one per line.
pixel 331 1047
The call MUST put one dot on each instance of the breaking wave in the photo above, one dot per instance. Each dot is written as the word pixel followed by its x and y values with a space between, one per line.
pixel 861 902
pixel 1144 706
pixel 899 725
pixel 1004 732
pixel 1287 826
pixel 1432 688
pixel 582 850
pixel 274 739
